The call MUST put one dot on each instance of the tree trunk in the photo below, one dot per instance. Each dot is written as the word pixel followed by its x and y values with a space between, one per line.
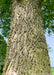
pixel 27 52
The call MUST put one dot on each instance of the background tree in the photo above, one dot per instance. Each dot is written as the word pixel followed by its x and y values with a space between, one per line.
pixel 48 15
pixel 3 46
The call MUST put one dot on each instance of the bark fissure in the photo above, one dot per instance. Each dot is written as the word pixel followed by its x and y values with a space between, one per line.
pixel 27 50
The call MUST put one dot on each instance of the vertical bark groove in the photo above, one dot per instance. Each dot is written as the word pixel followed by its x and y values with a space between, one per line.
pixel 27 50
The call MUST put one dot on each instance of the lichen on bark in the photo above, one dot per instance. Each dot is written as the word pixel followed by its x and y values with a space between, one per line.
pixel 27 49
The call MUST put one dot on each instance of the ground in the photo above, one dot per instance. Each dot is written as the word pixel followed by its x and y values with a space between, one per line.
pixel 52 70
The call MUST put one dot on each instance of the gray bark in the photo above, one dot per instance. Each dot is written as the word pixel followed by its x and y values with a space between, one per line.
pixel 27 52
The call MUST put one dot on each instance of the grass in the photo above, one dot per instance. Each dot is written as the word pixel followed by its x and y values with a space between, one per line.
pixel 0 73
pixel 52 70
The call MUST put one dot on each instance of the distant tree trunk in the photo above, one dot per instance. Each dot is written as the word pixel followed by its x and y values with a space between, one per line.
pixel 27 52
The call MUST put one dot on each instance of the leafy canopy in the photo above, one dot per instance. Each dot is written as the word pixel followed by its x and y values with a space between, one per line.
pixel 3 46
pixel 48 16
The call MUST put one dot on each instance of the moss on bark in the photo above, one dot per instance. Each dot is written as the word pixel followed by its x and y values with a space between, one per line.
pixel 27 48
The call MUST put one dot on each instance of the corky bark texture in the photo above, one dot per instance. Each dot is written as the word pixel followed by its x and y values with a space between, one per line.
pixel 27 52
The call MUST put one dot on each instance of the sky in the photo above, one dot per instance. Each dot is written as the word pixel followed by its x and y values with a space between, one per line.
pixel 50 42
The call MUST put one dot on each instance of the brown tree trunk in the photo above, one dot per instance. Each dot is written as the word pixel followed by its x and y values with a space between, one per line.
pixel 27 52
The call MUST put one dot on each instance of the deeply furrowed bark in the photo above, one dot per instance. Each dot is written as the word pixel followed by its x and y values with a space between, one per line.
pixel 27 52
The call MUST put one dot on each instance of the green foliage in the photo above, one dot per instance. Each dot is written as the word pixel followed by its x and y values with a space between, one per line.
pixel 5 17
pixel 3 46
pixel 48 47
pixel 52 69
pixel 48 16
pixel 4 5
